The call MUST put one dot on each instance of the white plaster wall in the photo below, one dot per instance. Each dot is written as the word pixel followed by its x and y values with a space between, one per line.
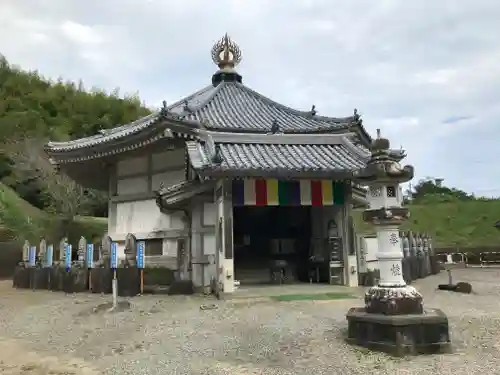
pixel 209 240
pixel 132 166
pixel 361 253
pixel 209 243
pixel 209 249
pixel 203 243
pixel 144 216
pixel 132 185
pixel 170 247
pixel 167 178
pixel 167 159
pixel 371 253
pixel 209 213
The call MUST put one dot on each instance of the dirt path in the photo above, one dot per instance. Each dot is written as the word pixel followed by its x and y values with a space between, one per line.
pixel 14 360
pixel 14 357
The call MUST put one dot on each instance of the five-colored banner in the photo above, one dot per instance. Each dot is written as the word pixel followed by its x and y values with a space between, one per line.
pixel 272 192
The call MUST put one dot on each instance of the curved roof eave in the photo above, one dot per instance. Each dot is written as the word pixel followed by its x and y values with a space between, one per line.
pixel 157 120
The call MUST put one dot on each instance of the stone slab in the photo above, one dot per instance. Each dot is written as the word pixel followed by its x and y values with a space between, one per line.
pixel 101 280
pixel 399 335
pixel 40 278
pixel 21 278
pixel 128 281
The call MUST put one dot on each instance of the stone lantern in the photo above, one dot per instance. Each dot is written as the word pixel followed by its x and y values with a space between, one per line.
pixel 393 318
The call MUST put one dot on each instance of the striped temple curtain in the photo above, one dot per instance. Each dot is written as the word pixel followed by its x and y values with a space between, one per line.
pixel 272 192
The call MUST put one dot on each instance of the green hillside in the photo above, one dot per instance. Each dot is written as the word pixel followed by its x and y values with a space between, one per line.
pixel 35 201
pixel 19 220
pixel 460 224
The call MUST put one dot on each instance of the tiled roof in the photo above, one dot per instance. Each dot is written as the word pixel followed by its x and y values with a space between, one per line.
pixel 106 135
pixel 277 159
pixel 175 195
pixel 230 106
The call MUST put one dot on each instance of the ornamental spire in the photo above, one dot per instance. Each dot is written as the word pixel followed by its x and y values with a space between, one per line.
pixel 226 55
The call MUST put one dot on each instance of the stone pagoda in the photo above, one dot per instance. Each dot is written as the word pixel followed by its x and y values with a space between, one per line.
pixel 393 318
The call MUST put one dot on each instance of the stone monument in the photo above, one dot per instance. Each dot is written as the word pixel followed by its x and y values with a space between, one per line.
pixel 82 251
pixel 62 250
pixel 105 251
pixel 393 319
pixel 26 249
pixel 43 250
pixel 130 250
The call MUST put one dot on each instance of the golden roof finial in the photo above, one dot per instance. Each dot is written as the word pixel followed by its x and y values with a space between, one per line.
pixel 225 53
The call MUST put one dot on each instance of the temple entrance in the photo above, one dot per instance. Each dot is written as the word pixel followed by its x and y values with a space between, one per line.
pixel 271 244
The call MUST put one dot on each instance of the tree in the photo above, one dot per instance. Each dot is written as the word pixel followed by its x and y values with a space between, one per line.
pixel 31 162
pixel 33 110
pixel 432 189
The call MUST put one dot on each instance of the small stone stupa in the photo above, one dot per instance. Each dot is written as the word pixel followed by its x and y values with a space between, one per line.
pixel 393 319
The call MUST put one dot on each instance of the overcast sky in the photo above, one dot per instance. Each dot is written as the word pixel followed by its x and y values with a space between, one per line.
pixel 426 72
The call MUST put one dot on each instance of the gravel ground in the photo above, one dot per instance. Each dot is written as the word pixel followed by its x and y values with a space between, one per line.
pixel 50 333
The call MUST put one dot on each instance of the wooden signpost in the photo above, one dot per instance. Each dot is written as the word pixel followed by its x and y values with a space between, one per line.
pixel 32 264
pixel 141 248
pixel 114 265
pixel 90 262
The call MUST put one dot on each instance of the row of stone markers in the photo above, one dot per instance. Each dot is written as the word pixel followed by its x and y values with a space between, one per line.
pixel 419 259
pixel 94 268
pixel 416 244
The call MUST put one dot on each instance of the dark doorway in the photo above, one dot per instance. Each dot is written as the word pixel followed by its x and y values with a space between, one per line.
pixel 266 235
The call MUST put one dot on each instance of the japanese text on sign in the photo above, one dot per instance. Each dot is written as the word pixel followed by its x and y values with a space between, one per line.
pixel 32 256
pixel 49 256
pixel 68 252
pixel 90 255
pixel 141 246
pixel 114 255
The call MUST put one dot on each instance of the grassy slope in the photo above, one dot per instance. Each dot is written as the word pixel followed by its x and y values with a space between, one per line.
pixel 21 220
pixel 460 224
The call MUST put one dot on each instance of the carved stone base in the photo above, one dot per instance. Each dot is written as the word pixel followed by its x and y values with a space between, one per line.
pixel 128 281
pixel 56 278
pixel 393 300
pixel 426 333
pixel 100 280
pixel 75 281
pixel 21 277
pixel 40 278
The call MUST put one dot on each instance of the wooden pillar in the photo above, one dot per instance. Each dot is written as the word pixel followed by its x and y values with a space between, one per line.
pixel 348 239
pixel 224 238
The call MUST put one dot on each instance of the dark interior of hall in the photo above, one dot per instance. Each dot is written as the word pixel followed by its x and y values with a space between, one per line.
pixel 266 237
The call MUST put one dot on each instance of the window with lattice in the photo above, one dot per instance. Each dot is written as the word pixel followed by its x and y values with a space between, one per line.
pixel 391 191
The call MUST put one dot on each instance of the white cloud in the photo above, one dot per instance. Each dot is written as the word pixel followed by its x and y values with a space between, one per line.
pixel 81 34
pixel 427 73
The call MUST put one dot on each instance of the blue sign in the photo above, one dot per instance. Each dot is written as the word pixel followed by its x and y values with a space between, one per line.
pixel 49 256
pixel 90 255
pixel 141 247
pixel 32 256
pixel 68 252
pixel 114 255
